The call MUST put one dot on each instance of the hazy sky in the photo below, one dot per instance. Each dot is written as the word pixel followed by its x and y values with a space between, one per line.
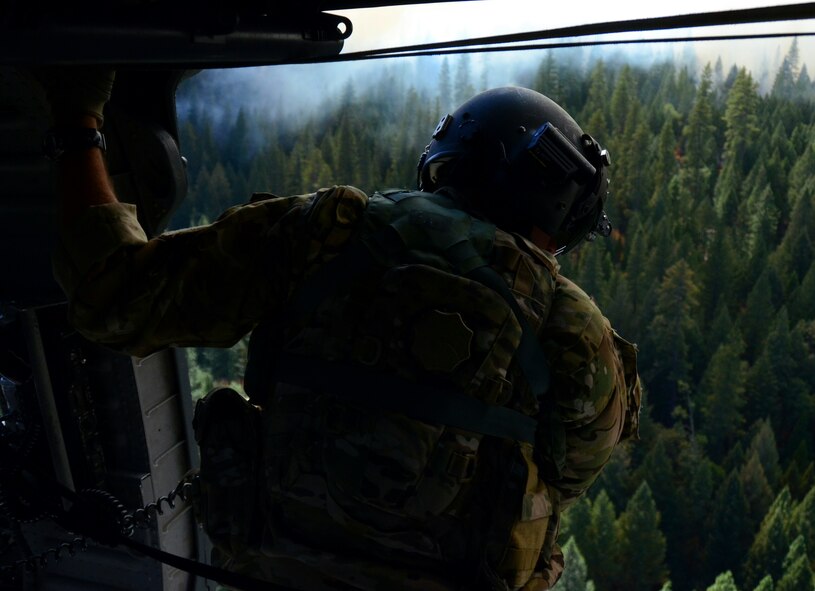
pixel 382 27
pixel 290 90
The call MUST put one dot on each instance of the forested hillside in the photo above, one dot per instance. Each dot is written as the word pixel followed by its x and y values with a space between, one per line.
pixel 710 269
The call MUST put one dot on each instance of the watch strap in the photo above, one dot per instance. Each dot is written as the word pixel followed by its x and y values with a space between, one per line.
pixel 58 141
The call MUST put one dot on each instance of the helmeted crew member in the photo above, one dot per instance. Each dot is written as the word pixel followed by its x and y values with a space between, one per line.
pixel 427 392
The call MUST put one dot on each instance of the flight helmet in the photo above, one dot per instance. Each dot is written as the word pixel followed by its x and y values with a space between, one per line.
pixel 515 157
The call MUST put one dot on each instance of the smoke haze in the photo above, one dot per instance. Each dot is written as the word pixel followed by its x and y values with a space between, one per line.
pixel 293 93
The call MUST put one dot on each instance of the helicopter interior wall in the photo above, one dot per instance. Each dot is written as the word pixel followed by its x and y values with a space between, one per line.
pixel 89 418
pixel 76 412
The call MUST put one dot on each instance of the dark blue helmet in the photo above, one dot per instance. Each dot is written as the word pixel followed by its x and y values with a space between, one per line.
pixel 517 158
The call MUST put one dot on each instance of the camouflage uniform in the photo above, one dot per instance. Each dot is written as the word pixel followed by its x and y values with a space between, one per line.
pixel 352 495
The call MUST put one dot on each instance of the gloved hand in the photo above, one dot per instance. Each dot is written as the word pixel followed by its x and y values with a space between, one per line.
pixel 76 91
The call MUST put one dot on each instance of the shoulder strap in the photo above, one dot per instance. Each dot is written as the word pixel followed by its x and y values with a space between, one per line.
pixel 423 402
pixel 530 356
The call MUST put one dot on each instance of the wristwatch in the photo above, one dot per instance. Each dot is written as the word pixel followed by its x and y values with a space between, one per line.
pixel 57 141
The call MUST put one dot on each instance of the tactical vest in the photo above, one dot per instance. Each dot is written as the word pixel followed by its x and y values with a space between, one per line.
pixel 400 393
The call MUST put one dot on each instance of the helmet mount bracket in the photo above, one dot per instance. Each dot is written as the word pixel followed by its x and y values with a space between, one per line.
pixel 442 126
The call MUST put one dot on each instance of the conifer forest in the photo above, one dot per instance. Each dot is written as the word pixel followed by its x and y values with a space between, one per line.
pixel 710 269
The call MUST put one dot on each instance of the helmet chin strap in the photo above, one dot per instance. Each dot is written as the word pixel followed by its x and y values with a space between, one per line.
pixel 542 240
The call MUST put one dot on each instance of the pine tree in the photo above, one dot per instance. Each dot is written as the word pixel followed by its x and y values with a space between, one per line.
pixel 575 575
pixel 616 477
pixel 594 109
pixel 347 153
pixel 803 519
pixel 741 120
pixel 676 309
pixel 219 189
pixel 601 555
pixel 700 140
pixel 685 90
pixel 657 468
pixel 717 274
pixel 798 575
pixel 794 404
pixel 802 199
pixel 764 446
pixel 787 76
pixel 807 480
pixel 724 582
pixel 766 584
pixel 618 306
pixel 623 96
pixel 664 164
pixel 641 543
pixel 770 546
pixel 463 89
pixel 635 271
pixel 729 533
pixel 762 390
pixel 802 344
pixel 802 301
pixel 722 391
pixel 792 477
pixel 735 458
pixel 727 197
pixel 237 150
pixel 633 186
pixel 794 257
pixel 660 90
pixel 799 255
pixel 762 217
pixel 803 87
pixel 781 152
pixel 704 478
pixel 721 330
pixel 594 263
pixel 548 80
pixel 576 521
pixel 757 309
pixel 756 488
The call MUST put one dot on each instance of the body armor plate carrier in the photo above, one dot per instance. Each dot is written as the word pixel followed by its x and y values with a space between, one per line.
pixel 391 426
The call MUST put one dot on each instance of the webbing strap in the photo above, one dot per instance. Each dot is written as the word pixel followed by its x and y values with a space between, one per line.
pixel 423 402
pixel 200 569
pixel 530 355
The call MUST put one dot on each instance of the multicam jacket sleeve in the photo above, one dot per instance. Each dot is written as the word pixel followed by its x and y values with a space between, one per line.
pixel 595 385
pixel 205 286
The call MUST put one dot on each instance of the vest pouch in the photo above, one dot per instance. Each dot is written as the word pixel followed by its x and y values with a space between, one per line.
pixel 392 471
pixel 628 353
pixel 227 430
pixel 449 327
pixel 531 537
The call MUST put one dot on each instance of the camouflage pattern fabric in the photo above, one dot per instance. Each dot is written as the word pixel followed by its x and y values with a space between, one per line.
pixel 351 496
pixel 205 286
